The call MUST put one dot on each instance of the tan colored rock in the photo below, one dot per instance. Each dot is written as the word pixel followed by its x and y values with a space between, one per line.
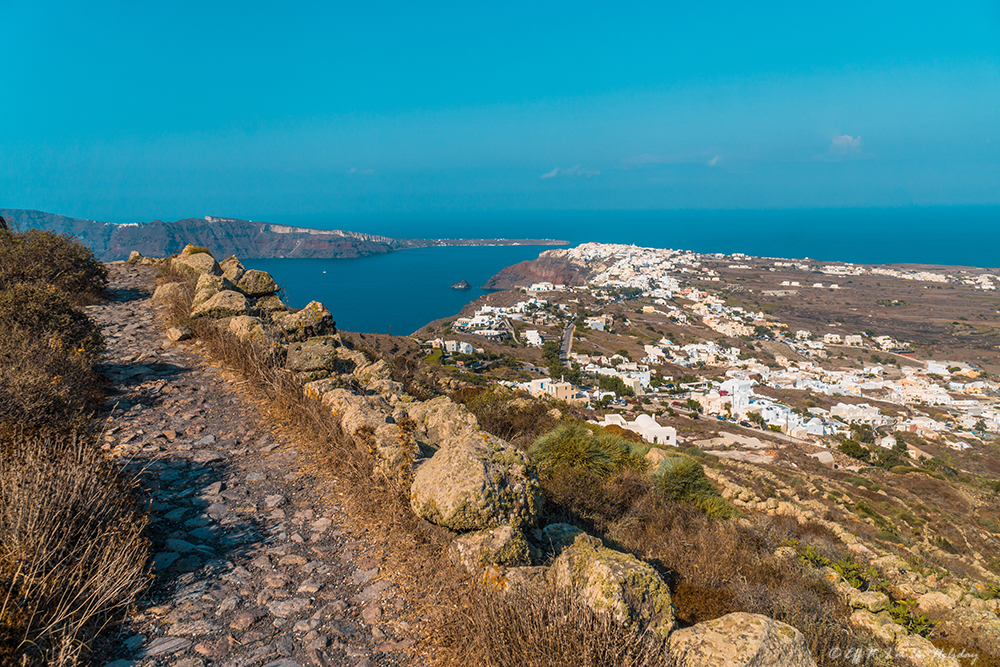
pixel 198 263
pixel 505 546
pixel 177 334
pixel 873 601
pixel 442 421
pixel 232 269
pixel 224 304
pixel 313 320
pixel 478 482
pixel 270 304
pixel 881 625
pixel 615 584
pixel 654 457
pixel 976 629
pixel 134 257
pixel 372 373
pixel 934 603
pixel 246 327
pixel 314 354
pixel 740 640
pixel 209 285
pixel 922 652
pixel 256 283
pixel 169 293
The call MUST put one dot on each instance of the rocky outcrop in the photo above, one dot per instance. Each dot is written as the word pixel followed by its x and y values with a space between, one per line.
pixel 255 283
pixel 740 640
pixel 313 320
pixel 615 584
pixel 226 303
pixel 553 266
pixel 441 420
pixel 477 482
pixel 505 546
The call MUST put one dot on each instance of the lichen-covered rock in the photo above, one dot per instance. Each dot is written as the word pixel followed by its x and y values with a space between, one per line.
pixel 615 584
pixel 208 286
pixel 196 263
pixel 313 320
pixel 134 257
pixel 232 269
pixel 740 640
pixel 169 293
pixel 478 482
pixel 554 538
pixel 873 601
pixel 881 625
pixel 505 546
pixel 314 354
pixel 442 421
pixel 371 373
pixel 224 304
pixel 920 651
pixel 934 603
pixel 256 283
pixel 270 304
pixel 246 327
pixel 356 412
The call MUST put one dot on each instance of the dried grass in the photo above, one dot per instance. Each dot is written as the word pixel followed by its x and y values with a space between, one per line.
pixel 72 554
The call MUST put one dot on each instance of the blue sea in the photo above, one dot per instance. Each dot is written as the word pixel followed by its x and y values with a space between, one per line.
pixel 405 290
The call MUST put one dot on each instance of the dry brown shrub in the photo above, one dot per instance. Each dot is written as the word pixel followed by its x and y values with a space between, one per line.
pixel 72 555
pixel 522 629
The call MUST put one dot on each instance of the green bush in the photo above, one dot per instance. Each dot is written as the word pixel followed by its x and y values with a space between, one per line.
pixel 683 479
pixel 575 446
pixel 46 258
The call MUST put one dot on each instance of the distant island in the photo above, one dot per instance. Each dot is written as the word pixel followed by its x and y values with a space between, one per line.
pixel 462 284
pixel 231 236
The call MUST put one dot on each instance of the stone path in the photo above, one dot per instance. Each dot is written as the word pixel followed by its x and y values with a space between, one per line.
pixel 253 564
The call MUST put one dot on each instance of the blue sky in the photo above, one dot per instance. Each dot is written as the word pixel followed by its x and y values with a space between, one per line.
pixel 128 111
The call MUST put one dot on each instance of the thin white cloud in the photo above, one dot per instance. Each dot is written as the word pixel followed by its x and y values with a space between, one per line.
pixel 574 171
pixel 844 147
pixel 713 162
pixel 355 170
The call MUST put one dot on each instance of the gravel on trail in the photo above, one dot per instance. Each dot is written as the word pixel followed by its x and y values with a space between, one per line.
pixel 254 565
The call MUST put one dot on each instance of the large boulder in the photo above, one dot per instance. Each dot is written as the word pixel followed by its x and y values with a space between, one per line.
pixel 313 320
pixel 615 584
pixel 232 269
pixel 169 293
pixel 441 420
pixel 477 482
pixel 209 285
pixel 224 304
pixel 317 354
pixel 248 328
pixel 505 546
pixel 269 304
pixel 740 640
pixel 256 283
pixel 196 263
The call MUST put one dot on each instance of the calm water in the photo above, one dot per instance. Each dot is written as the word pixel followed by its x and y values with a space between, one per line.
pixel 395 293
pixel 406 290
